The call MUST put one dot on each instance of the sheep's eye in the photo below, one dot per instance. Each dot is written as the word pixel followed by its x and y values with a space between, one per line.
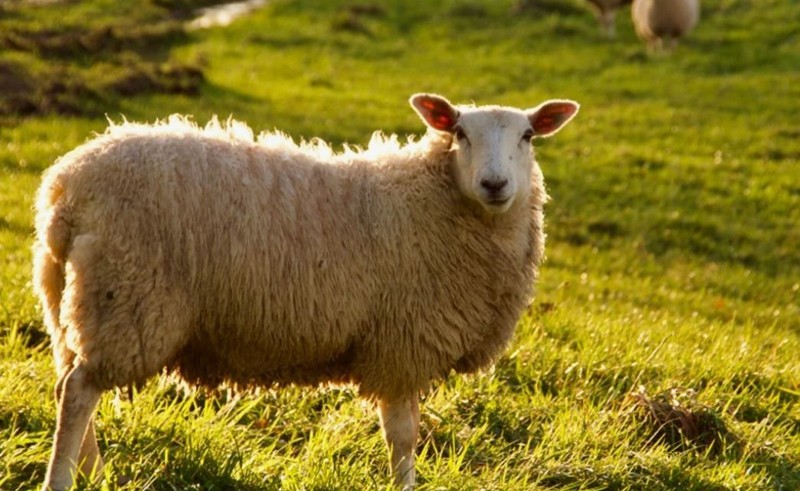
pixel 527 136
pixel 459 132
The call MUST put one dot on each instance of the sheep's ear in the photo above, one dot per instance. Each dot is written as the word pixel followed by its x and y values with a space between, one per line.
pixel 549 117
pixel 436 111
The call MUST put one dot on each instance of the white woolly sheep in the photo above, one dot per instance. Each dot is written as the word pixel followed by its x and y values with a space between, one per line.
pixel 258 262
pixel 606 11
pixel 657 21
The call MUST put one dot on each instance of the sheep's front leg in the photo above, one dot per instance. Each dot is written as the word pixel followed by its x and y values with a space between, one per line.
pixel 75 408
pixel 400 423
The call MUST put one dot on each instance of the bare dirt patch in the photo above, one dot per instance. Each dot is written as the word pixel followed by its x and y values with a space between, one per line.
pixel 86 70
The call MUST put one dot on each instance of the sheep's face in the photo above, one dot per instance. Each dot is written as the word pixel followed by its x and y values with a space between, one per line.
pixel 493 155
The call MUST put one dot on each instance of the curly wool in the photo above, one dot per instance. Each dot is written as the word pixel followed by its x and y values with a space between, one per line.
pixel 229 258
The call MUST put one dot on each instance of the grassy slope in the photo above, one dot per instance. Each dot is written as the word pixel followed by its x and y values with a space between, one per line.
pixel 673 254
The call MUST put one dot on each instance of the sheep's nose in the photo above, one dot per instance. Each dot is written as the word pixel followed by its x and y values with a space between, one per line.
pixel 494 186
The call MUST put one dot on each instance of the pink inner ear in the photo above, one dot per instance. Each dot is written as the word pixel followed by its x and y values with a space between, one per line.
pixel 439 114
pixel 552 116
pixel 442 121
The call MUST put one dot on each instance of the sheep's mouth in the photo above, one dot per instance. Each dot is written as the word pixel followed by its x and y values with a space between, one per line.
pixel 499 201
pixel 497 205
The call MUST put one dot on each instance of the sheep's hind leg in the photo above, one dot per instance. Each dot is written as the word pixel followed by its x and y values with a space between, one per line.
pixel 400 423
pixel 75 408
pixel 89 457
pixel 608 23
pixel 91 462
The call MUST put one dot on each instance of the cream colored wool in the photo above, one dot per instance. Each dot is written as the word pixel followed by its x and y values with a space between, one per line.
pixel 254 261
pixel 261 262
pixel 664 21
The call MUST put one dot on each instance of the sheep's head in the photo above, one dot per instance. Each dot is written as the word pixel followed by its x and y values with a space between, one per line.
pixel 493 154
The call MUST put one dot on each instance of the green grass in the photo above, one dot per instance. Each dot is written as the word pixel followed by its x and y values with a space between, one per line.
pixel 673 250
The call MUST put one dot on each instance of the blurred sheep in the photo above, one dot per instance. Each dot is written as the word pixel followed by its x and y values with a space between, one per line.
pixel 606 11
pixel 661 23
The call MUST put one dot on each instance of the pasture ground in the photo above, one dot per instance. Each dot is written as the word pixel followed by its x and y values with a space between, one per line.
pixel 661 352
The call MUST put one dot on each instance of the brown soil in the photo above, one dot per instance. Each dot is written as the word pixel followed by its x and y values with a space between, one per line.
pixel 134 61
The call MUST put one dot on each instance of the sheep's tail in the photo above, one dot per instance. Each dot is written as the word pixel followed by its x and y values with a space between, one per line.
pixel 50 249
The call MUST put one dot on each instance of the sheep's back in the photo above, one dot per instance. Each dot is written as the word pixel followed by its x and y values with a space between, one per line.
pixel 282 266
pixel 655 19
pixel 260 242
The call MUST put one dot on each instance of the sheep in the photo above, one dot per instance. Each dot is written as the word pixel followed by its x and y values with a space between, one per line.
pixel 229 259
pixel 606 11
pixel 657 21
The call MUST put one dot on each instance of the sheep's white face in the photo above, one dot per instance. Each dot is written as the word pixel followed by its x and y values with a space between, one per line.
pixel 493 154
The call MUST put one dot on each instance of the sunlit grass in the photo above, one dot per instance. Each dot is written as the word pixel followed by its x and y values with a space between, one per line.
pixel 673 260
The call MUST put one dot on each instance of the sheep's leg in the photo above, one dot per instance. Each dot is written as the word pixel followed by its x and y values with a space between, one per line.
pixel 672 43
pixel 76 406
pixel 400 423
pixel 89 456
pixel 608 23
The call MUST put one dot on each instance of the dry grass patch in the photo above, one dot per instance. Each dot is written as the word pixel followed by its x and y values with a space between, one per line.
pixel 676 419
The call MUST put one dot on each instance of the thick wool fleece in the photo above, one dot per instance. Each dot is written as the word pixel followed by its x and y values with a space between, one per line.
pixel 261 261
pixel 655 20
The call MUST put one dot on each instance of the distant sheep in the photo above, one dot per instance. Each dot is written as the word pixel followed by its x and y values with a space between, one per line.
pixel 257 262
pixel 606 11
pixel 661 23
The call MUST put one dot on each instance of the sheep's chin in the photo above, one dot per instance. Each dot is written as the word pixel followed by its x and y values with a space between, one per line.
pixel 497 208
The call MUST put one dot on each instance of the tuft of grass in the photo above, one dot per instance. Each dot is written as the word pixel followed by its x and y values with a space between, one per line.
pixel 676 419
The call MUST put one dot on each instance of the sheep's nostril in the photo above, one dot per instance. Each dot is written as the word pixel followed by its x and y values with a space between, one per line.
pixel 494 186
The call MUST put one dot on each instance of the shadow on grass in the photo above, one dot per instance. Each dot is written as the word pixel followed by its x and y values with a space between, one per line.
pixel 692 219
pixel 638 478
pixel 85 70
pixel 781 473
pixel 15 228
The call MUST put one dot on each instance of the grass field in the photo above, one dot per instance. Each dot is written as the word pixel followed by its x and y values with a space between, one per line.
pixel 662 350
